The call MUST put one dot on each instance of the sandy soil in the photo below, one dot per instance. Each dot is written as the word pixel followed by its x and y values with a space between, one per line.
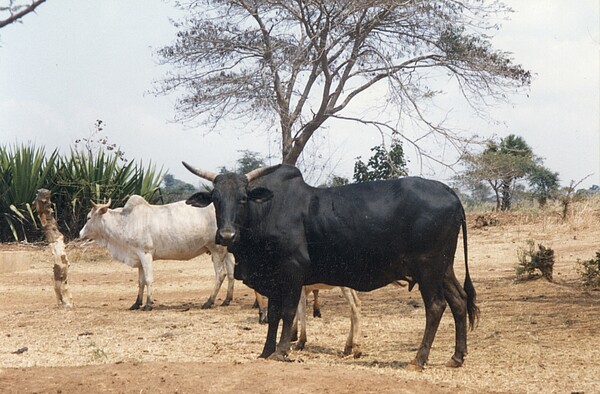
pixel 533 336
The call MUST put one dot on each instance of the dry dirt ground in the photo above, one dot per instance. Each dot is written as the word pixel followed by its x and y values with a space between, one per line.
pixel 533 336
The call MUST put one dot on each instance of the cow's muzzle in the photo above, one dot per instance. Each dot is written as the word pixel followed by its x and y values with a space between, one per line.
pixel 227 237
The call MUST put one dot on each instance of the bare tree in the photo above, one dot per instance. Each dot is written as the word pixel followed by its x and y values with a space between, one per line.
pixel 301 62
pixel 17 11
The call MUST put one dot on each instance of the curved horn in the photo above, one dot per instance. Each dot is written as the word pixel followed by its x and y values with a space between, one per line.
pixel 98 206
pixel 208 175
pixel 261 172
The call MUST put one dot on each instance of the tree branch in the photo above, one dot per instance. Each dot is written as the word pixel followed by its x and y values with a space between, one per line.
pixel 19 15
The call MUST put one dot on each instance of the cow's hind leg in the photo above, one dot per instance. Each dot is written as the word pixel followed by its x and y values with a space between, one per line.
pixel 141 284
pixel 435 304
pixel 219 268
pixel 300 319
pixel 352 343
pixel 316 305
pixel 457 299
pixel 146 263
pixel 229 267
pixel 261 304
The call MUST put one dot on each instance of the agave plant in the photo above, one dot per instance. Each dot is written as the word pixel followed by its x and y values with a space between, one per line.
pixel 85 177
pixel 23 170
pixel 74 181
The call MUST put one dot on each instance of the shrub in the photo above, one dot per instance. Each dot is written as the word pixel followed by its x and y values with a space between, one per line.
pixel 531 260
pixel 590 272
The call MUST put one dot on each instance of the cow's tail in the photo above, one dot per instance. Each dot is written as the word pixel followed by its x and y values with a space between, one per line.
pixel 472 309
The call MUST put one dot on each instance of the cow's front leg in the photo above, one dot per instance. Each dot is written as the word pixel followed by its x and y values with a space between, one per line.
pixel 146 261
pixel 289 308
pixel 274 313
pixel 141 283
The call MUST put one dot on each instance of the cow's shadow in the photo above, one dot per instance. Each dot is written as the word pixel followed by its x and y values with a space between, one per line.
pixel 179 307
pixel 381 364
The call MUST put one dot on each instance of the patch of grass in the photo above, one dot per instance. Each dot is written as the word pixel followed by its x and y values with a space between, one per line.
pixel 531 260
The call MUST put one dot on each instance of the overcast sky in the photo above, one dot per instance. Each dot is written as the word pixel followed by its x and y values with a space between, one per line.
pixel 74 62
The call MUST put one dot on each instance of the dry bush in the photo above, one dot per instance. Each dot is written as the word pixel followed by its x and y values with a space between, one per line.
pixel 531 260
pixel 590 272
pixel 486 219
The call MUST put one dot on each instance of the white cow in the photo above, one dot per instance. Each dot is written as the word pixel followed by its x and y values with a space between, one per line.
pixel 139 233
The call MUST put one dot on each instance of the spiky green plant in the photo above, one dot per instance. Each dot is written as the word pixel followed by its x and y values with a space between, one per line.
pixel 86 177
pixel 23 170
pixel 74 181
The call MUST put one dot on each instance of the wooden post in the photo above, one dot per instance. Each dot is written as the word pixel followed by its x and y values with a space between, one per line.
pixel 55 239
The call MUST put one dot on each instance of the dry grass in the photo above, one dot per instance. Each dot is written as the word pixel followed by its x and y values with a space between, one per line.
pixel 533 336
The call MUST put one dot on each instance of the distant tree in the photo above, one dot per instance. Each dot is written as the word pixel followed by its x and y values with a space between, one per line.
pixel 383 164
pixel 292 65
pixel 501 164
pixel 335 180
pixel 543 182
pixel 175 189
pixel 476 190
pixel 247 162
pixel 13 11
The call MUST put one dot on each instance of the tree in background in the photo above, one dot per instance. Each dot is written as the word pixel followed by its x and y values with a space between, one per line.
pixel 501 164
pixel 13 11
pixel 247 162
pixel 176 190
pixel 544 183
pixel 383 164
pixel 292 65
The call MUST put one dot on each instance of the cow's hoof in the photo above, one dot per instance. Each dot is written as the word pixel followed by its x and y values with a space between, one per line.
pixel 454 363
pixel 134 307
pixel 280 357
pixel 147 307
pixel 357 353
pixel 300 346
pixel 207 305
pixel 415 367
pixel 316 313
pixel 226 303
pixel 262 318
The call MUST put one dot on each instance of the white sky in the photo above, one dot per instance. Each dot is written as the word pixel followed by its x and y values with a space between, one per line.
pixel 77 61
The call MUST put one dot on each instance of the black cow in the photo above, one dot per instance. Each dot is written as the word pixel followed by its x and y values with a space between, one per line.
pixel 286 234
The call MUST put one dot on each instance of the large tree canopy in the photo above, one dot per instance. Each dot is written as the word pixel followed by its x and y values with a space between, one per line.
pixel 300 62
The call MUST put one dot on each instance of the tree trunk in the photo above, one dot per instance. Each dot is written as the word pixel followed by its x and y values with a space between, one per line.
pixel 55 239
pixel 506 196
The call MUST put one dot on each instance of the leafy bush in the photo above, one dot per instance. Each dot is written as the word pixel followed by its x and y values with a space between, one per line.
pixel 590 272
pixel 531 260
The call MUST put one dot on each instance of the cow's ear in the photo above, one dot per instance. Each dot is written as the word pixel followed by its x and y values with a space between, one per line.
pixel 200 200
pixel 260 194
pixel 102 210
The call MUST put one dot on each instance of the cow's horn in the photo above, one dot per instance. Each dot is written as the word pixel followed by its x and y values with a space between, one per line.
pixel 96 206
pixel 261 172
pixel 208 175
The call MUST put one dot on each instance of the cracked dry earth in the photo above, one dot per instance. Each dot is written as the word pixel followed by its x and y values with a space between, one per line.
pixel 533 336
